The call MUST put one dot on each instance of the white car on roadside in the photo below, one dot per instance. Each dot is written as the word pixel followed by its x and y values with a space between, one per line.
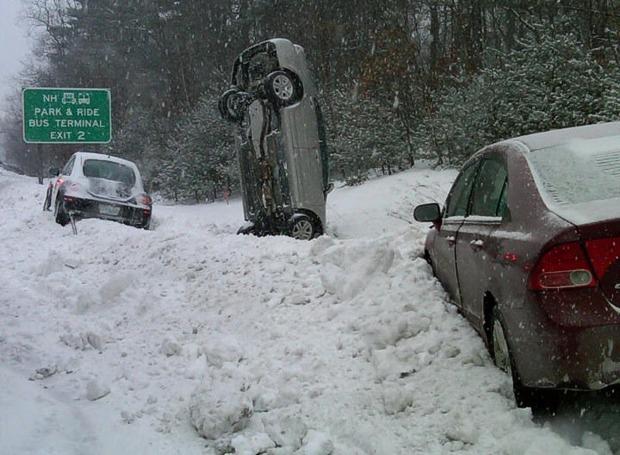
pixel 94 185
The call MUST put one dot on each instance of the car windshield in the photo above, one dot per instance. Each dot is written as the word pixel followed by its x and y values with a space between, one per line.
pixel 109 170
pixel 580 171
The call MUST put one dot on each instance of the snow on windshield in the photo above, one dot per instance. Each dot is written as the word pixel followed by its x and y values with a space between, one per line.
pixel 580 171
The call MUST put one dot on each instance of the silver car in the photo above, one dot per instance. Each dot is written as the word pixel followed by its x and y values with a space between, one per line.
pixel 93 185
pixel 280 140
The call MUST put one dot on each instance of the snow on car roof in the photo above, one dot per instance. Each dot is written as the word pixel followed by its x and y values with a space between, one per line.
pixel 103 156
pixel 553 138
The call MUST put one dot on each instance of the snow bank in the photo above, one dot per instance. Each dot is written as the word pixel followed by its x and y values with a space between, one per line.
pixel 202 341
pixel 221 405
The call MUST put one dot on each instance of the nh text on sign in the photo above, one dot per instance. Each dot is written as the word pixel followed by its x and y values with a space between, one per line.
pixel 67 116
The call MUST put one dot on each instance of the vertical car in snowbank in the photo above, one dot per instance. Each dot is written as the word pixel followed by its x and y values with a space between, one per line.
pixel 93 185
pixel 528 245
pixel 280 140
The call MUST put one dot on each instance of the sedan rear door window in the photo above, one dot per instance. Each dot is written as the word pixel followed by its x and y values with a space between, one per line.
pixel 488 190
pixel 458 200
pixel 68 167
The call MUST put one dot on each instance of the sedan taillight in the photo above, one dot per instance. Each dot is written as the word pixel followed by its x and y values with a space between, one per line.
pixel 603 253
pixel 563 266
pixel 144 199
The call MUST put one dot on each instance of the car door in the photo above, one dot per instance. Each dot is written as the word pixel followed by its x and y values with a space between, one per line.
pixel 475 251
pixel 443 254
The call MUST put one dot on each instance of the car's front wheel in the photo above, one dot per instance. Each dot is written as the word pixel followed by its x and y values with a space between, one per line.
pixel 427 258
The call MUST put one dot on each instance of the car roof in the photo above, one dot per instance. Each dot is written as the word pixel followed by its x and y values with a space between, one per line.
pixel 538 141
pixel 280 42
pixel 102 156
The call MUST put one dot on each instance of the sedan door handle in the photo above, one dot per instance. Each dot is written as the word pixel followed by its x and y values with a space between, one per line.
pixel 476 244
pixel 451 240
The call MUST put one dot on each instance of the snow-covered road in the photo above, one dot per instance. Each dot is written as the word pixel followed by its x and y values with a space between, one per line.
pixel 123 341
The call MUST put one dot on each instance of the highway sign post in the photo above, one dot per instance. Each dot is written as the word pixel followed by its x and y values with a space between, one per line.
pixel 67 116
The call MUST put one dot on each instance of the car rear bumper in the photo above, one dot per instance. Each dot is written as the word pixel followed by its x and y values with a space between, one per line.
pixel 575 358
pixel 107 210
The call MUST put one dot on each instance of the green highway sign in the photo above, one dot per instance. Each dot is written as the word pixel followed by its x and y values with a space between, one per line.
pixel 67 116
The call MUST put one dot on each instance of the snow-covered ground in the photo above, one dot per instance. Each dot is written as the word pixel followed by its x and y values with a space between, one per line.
pixel 190 339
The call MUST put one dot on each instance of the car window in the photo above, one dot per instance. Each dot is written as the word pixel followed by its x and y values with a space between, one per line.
pixel 502 206
pixel 459 194
pixel 322 144
pixel 237 73
pixel 68 167
pixel 109 170
pixel 488 189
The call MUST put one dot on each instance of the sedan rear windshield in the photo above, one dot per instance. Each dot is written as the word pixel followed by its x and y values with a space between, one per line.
pixel 579 171
pixel 109 170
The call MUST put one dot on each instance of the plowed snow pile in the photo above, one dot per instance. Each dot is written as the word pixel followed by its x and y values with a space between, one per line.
pixel 191 339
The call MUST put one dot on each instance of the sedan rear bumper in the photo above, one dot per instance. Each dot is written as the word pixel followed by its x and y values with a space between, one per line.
pixel 573 358
pixel 108 210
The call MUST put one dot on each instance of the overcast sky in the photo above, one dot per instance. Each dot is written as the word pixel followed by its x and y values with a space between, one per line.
pixel 14 45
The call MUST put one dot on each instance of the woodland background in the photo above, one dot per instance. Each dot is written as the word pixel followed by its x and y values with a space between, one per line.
pixel 400 80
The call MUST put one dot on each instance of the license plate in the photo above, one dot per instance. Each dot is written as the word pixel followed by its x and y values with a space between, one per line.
pixel 106 209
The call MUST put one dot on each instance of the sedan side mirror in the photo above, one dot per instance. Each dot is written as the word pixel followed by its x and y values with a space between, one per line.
pixel 427 213
pixel 54 172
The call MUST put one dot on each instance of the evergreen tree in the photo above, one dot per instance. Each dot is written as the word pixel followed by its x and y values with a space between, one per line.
pixel 554 83
pixel 400 79
pixel 199 159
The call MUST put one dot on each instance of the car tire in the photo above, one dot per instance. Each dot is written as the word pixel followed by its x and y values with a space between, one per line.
pixel 541 401
pixel 302 227
pixel 427 258
pixel 283 88
pixel 247 230
pixel 59 212
pixel 232 105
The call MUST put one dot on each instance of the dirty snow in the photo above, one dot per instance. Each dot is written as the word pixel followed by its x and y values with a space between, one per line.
pixel 190 339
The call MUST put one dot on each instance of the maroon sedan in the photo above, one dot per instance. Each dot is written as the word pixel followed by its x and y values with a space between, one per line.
pixel 528 246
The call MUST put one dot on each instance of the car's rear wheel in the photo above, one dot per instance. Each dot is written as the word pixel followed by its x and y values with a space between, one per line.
pixel 283 88
pixel 302 228
pixel 540 400
pixel 61 215
pixel 501 352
